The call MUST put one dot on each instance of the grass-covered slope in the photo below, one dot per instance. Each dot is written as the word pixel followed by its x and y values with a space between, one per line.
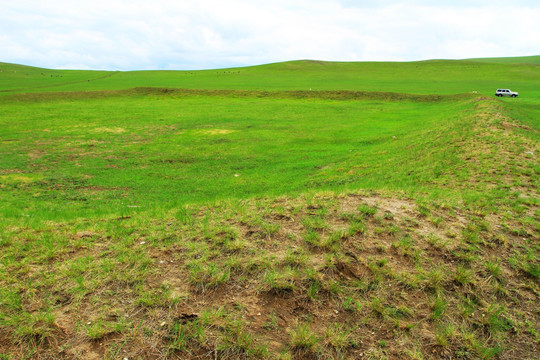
pixel 531 60
pixel 117 153
pixel 162 223
pixel 423 77
pixel 20 78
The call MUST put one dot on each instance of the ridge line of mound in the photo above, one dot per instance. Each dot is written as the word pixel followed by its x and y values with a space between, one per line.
pixel 283 94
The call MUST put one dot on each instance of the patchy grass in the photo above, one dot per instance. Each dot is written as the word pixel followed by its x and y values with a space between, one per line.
pixel 121 154
pixel 140 224
pixel 145 285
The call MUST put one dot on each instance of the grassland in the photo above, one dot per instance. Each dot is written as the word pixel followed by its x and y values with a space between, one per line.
pixel 296 210
pixel 531 60
pixel 423 77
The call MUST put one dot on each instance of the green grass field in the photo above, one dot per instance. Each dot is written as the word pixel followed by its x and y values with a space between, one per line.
pixel 531 60
pixel 295 210
pixel 423 77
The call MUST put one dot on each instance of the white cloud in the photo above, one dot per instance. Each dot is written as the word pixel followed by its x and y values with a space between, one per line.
pixel 210 33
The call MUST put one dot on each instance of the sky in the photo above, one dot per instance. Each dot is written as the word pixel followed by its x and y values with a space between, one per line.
pixel 206 34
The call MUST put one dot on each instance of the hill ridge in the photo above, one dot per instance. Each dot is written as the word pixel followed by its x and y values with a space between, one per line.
pixel 278 94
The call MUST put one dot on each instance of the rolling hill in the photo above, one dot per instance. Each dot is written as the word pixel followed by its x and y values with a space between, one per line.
pixel 297 210
pixel 423 77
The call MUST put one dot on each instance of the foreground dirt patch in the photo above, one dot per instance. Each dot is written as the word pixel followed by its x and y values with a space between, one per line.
pixel 357 275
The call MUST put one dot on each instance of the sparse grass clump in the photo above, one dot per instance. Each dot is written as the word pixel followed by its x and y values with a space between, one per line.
pixel 302 338
pixel 463 275
pixel 277 280
pixel 207 274
pixel 367 210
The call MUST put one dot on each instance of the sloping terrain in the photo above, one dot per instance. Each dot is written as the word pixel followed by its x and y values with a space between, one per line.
pixel 533 60
pixel 188 224
pixel 19 78
pixel 419 77
pixel 150 148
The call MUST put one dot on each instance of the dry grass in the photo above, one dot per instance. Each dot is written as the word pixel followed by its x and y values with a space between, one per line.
pixel 240 280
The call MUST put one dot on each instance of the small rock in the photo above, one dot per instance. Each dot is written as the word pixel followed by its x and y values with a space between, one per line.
pixel 162 324
pixel 143 242
pixel 236 175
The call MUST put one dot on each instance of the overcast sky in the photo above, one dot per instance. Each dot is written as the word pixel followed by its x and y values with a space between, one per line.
pixel 202 34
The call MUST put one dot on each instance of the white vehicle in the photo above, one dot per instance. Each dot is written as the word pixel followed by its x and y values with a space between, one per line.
pixel 506 92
